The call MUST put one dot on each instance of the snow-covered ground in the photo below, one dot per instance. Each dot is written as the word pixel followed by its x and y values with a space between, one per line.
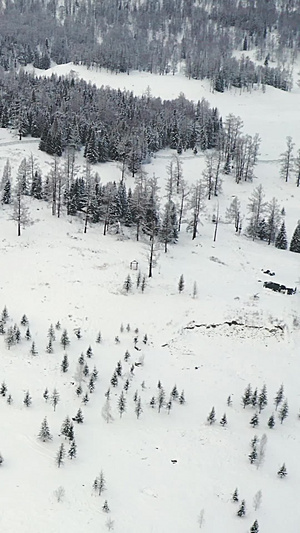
pixel 55 272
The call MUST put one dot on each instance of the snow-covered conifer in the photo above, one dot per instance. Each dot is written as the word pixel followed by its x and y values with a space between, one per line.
pixel 27 399
pixel 44 433
pixel 211 416
pixel 59 459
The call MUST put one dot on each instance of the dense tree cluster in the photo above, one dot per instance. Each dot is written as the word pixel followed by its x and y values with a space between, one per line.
pixel 155 36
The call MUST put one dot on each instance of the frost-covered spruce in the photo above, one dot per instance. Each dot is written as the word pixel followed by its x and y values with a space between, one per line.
pixel 78 417
pixel 114 379
pixel 64 340
pixel 3 389
pixel 54 398
pixel 295 242
pixel 24 321
pixel 182 398
pixel 235 496
pixel 181 284
pixel 27 334
pixel 254 420
pixel 77 332
pixel 282 472
pixel 105 507
pixel 126 356
pixel 161 398
pixel 283 411
pixel 223 421
pixel 262 398
pixel 65 363
pixel 152 402
pixel 281 238
pixel 174 393
pixel 65 428
pixel 127 284
pixel 27 399
pixel 49 347
pixel 9 399
pixel 91 385
pixel 246 398
pixel 72 452
pixel 242 509
pixel 122 404
pixel 119 369
pixel 51 333
pixel 85 399
pixel 126 385
pixel 46 394
pixel 99 484
pixel 254 398
pixel 211 416
pixel 271 421
pixel 89 352
pixel 95 373
pixel 138 407
pixel 78 390
pixel 44 433
pixel 254 528
pixel 85 370
pixel 99 337
pixel 279 396
pixel 1 459
pixel 59 459
pixel 4 314
pixel 33 349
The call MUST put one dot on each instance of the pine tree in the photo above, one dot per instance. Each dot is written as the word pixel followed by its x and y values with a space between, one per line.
pixel 182 398
pixel 161 398
pixel 60 455
pixel 223 421
pixel 281 238
pixel 181 284
pixel 211 417
pixel 85 399
pixel 65 363
pixel 253 400
pixel 64 340
pixel 295 242
pixel 174 393
pixel 95 373
pixel 91 385
pixel 99 484
pixel 3 389
pixel 9 399
pixel 106 411
pixel 127 283
pixel 33 349
pixel 254 528
pixel 51 333
pixel 253 455
pixel 271 421
pixel 283 412
pixel 71 432
pixel 126 385
pixel 119 369
pixel 89 352
pixel 282 472
pixel 235 496
pixel 10 338
pixel 27 399
pixel 72 452
pixel 126 356
pixel 152 402
pixel 105 507
pixel 46 394
pixel 44 433
pixel 54 398
pixel 1 459
pixel 79 390
pixel 85 370
pixel 138 407
pixel 279 396
pixel 246 398
pixel 4 314
pixel 242 509
pixel 254 420
pixel 262 398
pixel 122 404
pixel 78 417
pixel 114 379
pixel 65 428
pixel 99 338
pixel 24 321
pixel 49 347
pixel 77 332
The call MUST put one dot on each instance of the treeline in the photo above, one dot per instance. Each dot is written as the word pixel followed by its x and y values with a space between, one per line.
pixel 155 36
pixel 110 124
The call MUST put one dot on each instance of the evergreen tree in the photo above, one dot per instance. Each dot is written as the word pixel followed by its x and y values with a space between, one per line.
pixel 85 399
pixel 105 507
pixel 49 347
pixel 254 528
pixel 27 334
pixel 283 412
pixel 3 389
pixel 44 433
pixel 138 407
pixel 161 398
pixel 235 496
pixel 262 398
pixel 181 284
pixel 182 398
pixel 271 421
pixel 27 399
pixel 282 472
pixel 211 417
pixel 242 509
pixel 46 394
pixel 24 321
pixel 4 314
pixel 6 195
pixel 281 238
pixel 54 398
pixel 152 402
pixel 128 283
pixel 60 455
pixel 279 396
pixel 95 373
pixel 65 428
pixel 295 242
pixel 254 420
pixel 223 421
pixel 78 417
pixel 246 398
pixel 71 432
pixel 51 333
pixel 119 369
pixel 33 349
pixel 99 484
pixel 122 404
pixel 106 411
pixel 89 352
pixel 65 363
pixel 64 340
pixel 126 356
pixel 174 393
pixel 254 398
pixel 72 452
pixel 9 399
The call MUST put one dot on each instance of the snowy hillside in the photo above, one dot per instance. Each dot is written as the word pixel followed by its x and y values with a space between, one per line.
pixel 167 471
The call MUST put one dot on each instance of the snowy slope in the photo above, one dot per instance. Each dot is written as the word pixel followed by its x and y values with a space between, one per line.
pixel 55 272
